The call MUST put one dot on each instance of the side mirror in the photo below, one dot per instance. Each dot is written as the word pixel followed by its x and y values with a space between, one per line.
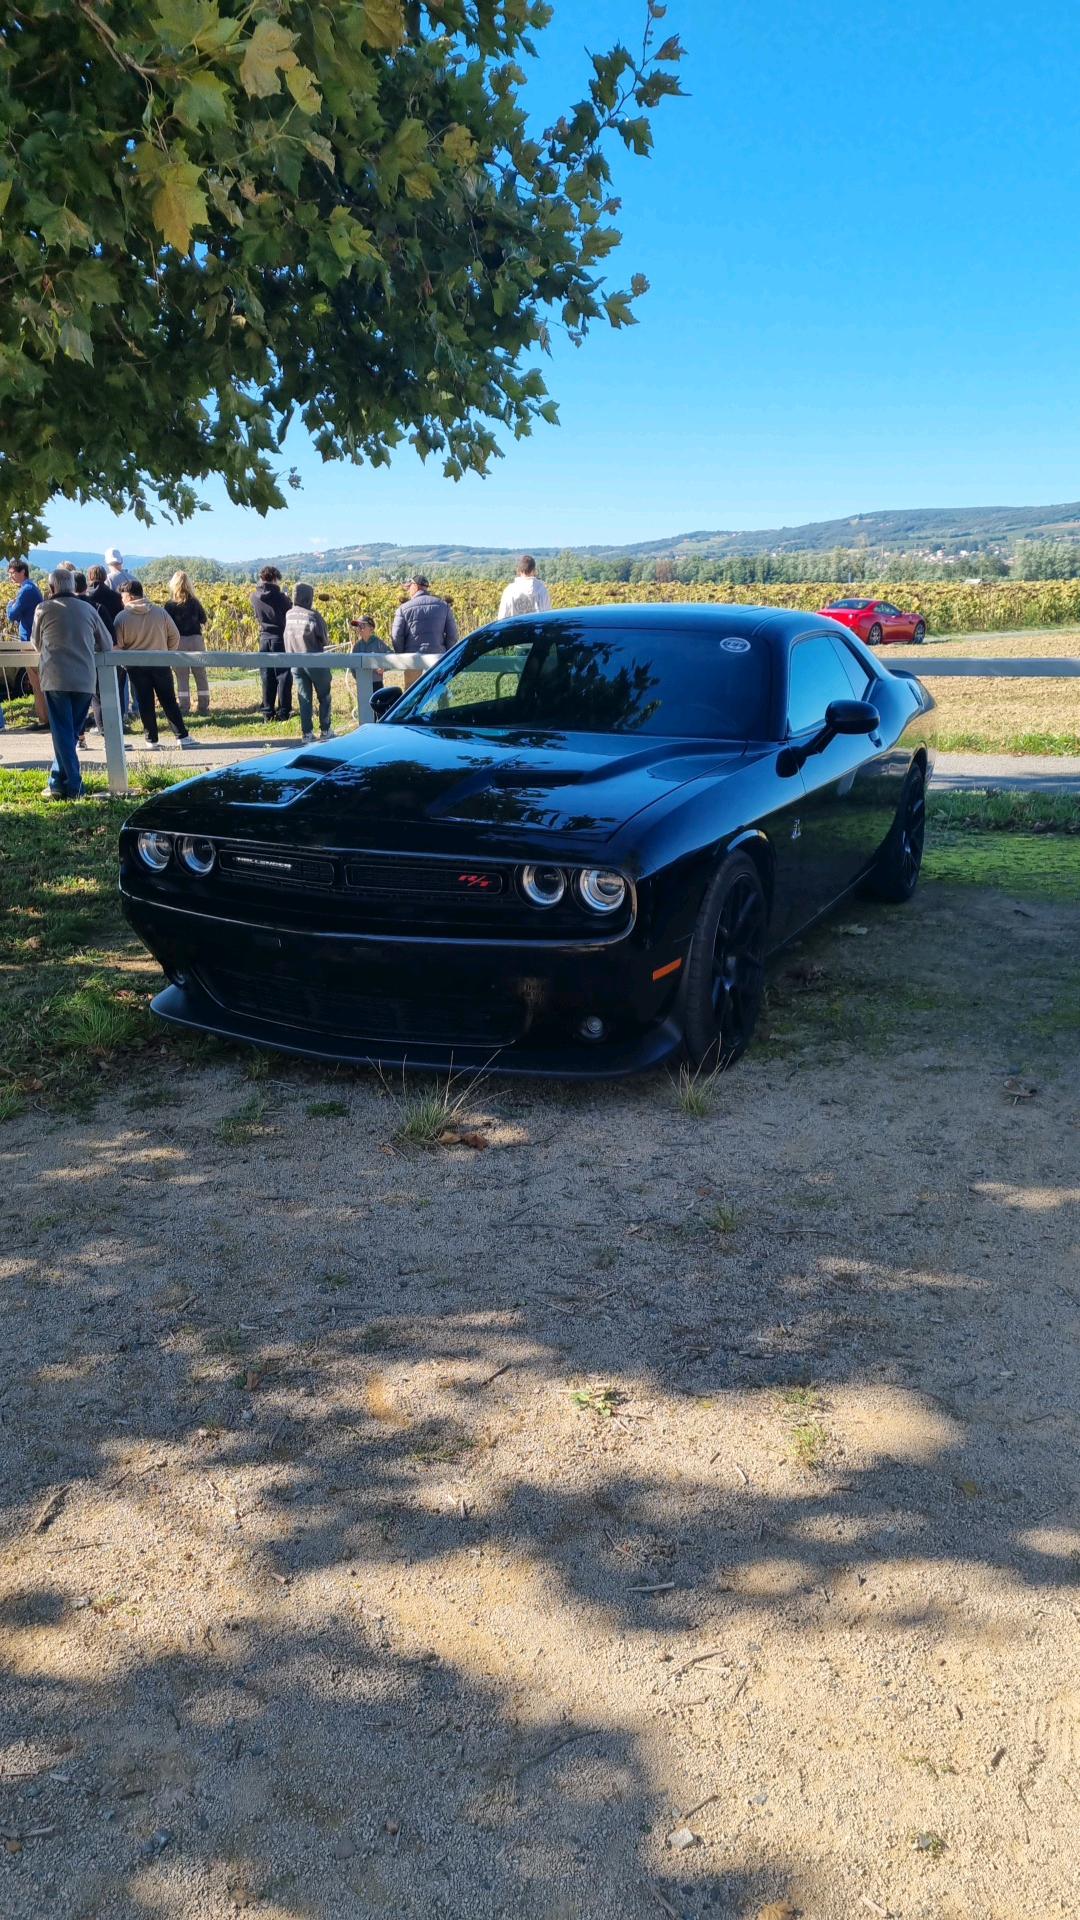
pixel 841 716
pixel 851 716
pixel 383 699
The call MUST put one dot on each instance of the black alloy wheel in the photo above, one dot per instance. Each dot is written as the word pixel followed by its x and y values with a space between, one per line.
pixel 725 977
pixel 919 634
pixel 875 635
pixel 896 875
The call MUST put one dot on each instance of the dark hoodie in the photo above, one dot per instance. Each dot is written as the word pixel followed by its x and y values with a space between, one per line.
pixel 305 630
pixel 270 605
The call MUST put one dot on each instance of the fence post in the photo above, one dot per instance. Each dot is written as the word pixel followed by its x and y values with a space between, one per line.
pixel 112 723
pixel 365 684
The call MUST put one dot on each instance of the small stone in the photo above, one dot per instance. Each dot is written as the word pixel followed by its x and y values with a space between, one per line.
pixel 344 1848
pixel 162 1839
pixel 682 1838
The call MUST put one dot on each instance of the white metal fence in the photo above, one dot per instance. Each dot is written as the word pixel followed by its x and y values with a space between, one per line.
pixel 363 665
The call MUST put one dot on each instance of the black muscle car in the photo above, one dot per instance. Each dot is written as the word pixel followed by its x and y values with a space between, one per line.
pixel 568 849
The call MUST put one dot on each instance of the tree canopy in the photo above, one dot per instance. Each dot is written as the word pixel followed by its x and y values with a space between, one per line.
pixel 219 215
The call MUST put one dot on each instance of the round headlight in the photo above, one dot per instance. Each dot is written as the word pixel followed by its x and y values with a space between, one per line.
pixel 544 886
pixel 198 855
pixel 154 850
pixel 601 889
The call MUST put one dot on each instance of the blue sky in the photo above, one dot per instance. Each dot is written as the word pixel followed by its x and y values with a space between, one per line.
pixel 860 232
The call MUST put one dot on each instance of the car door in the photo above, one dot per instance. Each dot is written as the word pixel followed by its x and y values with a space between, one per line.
pixel 892 621
pixel 842 808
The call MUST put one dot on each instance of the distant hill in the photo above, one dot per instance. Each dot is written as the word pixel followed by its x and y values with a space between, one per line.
pixel 903 531
pixel 913 531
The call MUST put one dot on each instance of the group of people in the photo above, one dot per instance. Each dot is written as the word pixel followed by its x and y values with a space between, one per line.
pixel 80 615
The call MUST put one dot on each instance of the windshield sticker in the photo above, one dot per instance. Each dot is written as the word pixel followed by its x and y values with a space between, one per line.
pixel 734 646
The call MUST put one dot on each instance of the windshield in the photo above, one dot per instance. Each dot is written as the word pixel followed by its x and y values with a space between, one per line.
pixel 570 677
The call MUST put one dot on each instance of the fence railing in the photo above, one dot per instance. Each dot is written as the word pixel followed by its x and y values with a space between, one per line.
pixel 363 665
pixel 366 665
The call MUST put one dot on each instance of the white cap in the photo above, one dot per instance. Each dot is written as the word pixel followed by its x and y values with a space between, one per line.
pixel 114 557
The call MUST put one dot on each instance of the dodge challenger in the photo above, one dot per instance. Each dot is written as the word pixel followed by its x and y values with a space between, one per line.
pixel 569 849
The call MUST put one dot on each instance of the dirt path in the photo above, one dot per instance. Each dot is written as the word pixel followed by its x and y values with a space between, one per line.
pixel 441 1534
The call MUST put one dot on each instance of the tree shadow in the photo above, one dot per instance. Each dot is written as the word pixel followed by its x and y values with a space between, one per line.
pixel 362 1595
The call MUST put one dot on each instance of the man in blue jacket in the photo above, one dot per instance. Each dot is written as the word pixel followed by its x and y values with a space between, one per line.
pixel 21 615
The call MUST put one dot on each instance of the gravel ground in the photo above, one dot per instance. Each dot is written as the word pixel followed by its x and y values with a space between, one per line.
pixel 644 1515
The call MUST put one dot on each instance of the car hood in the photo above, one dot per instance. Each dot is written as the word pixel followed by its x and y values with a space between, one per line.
pixel 408 786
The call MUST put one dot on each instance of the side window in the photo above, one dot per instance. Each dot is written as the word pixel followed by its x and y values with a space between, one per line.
pixel 817 675
pixel 861 681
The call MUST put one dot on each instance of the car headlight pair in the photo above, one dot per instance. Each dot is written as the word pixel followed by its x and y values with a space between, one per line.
pixel 600 888
pixel 192 850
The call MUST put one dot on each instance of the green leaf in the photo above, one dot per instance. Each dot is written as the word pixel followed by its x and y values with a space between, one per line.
pixel 5 194
pixel 268 52
pixel 180 22
pixel 203 101
pixel 64 229
pixel 420 182
pixel 179 204
pixel 304 88
pixel 320 149
pixel 382 23
pixel 459 146
pixel 617 308
pixel 75 342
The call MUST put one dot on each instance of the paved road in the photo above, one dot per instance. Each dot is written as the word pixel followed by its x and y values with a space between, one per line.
pixel 1026 772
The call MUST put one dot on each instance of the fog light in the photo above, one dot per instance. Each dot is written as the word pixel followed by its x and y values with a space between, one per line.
pixel 592 1027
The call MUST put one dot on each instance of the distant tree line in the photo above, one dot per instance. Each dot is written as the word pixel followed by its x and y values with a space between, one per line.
pixel 1026 560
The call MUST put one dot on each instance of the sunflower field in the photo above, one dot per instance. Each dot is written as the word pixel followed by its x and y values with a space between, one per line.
pixel 947 606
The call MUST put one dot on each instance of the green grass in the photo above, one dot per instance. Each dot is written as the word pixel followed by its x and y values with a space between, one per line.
pixel 695 1090
pixel 1038 866
pixel 247 1124
pixel 599 1400
pixel 1054 745
pixel 326 1110
pixel 1005 811
pixel 75 982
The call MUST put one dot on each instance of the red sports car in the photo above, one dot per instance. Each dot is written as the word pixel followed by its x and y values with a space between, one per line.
pixel 878 621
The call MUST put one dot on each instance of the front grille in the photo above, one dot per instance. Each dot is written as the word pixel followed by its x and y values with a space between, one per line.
pixel 381 880
pixel 482 1021
pixel 269 868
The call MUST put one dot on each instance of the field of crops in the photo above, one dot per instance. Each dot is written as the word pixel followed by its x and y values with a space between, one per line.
pixel 947 606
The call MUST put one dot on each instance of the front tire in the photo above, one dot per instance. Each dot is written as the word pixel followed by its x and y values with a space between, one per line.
pixel 896 875
pixel 919 634
pixel 725 975
pixel 875 636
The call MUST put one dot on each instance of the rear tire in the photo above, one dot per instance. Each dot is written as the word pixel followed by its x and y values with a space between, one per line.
pixel 875 636
pixel 725 975
pixel 896 875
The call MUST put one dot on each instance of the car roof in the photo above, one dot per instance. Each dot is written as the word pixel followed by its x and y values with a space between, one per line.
pixel 775 623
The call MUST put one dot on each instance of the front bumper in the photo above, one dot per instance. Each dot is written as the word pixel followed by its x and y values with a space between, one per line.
pixel 427 1003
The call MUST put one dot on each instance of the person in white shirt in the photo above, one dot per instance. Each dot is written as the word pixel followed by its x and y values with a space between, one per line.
pixel 526 594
